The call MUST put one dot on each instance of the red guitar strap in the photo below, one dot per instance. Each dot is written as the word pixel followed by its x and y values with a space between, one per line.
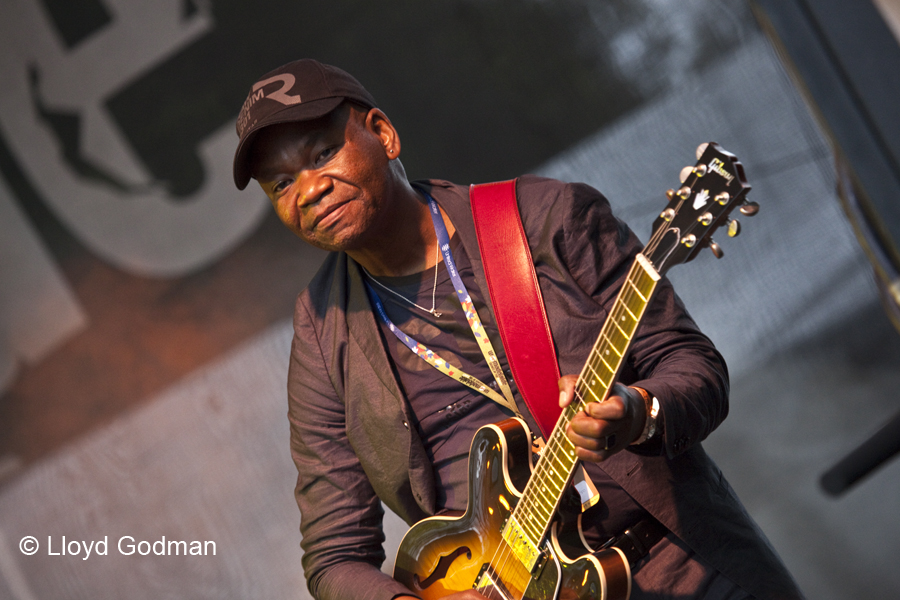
pixel 518 306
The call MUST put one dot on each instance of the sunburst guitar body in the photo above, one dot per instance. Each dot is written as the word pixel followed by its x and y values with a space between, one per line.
pixel 446 554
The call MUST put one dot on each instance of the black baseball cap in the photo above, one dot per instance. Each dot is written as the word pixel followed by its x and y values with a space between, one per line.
pixel 298 91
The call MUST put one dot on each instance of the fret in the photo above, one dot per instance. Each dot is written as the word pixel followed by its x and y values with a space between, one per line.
pixel 624 333
pixel 528 511
pixel 554 480
pixel 546 499
pixel 601 376
pixel 525 519
pixel 554 454
pixel 634 306
pixel 544 486
pixel 557 463
pixel 530 528
pixel 592 393
pixel 579 395
pixel 618 340
pixel 560 442
pixel 634 287
pixel 555 440
pixel 542 511
pixel 531 517
pixel 641 285
pixel 605 335
pixel 631 314
pixel 625 324
pixel 569 414
pixel 550 485
pixel 536 523
pixel 532 520
pixel 553 471
pixel 598 357
pixel 534 528
pixel 610 368
pixel 554 484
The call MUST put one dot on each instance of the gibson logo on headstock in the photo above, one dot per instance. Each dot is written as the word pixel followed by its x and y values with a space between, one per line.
pixel 719 167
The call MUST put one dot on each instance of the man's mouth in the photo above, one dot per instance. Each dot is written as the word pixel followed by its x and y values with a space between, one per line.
pixel 328 215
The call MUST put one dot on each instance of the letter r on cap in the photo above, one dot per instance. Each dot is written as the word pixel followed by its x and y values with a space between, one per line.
pixel 280 94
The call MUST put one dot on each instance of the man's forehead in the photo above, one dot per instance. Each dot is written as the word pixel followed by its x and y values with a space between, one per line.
pixel 283 139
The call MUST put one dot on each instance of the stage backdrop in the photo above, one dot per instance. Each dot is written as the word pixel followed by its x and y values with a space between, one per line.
pixel 145 303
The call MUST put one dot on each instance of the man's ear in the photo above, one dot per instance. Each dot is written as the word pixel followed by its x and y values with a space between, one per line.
pixel 379 125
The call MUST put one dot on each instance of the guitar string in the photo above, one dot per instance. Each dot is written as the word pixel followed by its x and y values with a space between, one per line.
pixel 505 553
pixel 627 296
pixel 542 478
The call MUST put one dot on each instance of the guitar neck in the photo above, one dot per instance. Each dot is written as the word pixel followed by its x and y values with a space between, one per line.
pixel 531 518
pixel 609 351
pixel 711 189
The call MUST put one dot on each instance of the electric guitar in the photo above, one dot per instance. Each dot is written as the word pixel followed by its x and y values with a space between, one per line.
pixel 507 544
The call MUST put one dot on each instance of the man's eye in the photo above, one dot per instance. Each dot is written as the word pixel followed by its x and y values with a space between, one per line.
pixel 326 154
pixel 280 187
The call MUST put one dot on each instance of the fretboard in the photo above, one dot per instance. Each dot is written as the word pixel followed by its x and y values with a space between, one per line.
pixel 531 518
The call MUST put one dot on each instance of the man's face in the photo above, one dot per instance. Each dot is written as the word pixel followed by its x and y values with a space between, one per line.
pixel 327 178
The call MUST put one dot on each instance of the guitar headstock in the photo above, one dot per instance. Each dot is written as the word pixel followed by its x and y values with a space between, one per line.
pixel 710 190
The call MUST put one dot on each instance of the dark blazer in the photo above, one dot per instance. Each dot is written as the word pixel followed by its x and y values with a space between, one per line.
pixel 354 448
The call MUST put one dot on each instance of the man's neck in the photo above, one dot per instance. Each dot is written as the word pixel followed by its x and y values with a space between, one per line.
pixel 406 242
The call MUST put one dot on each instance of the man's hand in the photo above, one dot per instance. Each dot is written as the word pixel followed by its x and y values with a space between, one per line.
pixel 604 428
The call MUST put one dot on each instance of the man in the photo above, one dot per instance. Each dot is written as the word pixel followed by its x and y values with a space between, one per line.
pixel 372 421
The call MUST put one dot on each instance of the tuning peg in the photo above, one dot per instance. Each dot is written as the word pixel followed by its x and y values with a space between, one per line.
pixel 670 193
pixel 701 149
pixel 734 228
pixel 685 173
pixel 749 208
pixel 716 249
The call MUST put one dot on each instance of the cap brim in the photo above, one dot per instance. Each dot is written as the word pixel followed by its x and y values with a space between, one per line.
pixel 305 111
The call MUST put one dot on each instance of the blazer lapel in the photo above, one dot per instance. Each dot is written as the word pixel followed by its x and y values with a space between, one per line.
pixel 364 330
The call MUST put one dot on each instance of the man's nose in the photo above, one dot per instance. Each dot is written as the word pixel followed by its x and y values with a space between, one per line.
pixel 312 186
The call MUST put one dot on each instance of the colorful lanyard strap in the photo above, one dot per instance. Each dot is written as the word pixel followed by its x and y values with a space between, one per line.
pixel 484 344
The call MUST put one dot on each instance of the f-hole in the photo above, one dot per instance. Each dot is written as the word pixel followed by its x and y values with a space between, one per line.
pixel 440 571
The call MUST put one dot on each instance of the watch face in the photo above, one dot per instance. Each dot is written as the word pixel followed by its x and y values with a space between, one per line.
pixel 650 428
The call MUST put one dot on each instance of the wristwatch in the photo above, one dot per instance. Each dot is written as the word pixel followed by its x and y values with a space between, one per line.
pixel 652 406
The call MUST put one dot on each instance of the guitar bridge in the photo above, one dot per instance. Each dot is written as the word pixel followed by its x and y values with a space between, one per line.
pixel 488 581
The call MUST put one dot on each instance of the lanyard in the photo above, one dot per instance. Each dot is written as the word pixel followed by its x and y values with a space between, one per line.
pixel 484 344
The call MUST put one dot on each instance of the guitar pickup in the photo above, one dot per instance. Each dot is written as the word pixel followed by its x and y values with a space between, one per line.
pixel 524 548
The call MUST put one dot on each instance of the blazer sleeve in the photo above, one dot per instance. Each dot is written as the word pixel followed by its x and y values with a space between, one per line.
pixel 341 516
pixel 669 356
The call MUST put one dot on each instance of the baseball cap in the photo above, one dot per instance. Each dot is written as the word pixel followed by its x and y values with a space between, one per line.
pixel 298 91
